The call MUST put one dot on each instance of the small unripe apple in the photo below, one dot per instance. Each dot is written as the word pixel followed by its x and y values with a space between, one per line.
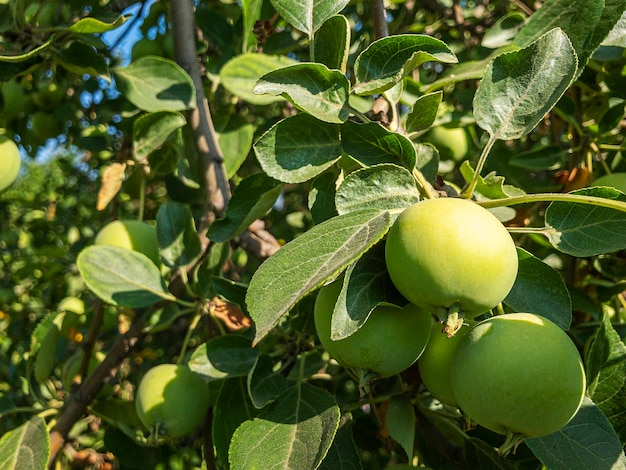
pixel 10 162
pixel 172 400
pixel 452 143
pixel 133 235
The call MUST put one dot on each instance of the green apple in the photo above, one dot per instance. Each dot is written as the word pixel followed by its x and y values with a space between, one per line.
pixel 452 257
pixel 436 361
pixel 388 342
pixel 452 143
pixel 172 400
pixel 518 374
pixel 10 162
pixel 133 235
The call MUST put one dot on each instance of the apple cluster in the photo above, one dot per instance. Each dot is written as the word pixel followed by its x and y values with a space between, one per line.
pixel 517 374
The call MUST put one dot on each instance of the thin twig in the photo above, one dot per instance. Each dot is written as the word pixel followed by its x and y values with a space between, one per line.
pixel 379 16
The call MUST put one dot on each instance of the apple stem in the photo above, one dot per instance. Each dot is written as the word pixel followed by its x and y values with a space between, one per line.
pixel 192 326
pixel 513 439
pixel 452 319
pixel 469 190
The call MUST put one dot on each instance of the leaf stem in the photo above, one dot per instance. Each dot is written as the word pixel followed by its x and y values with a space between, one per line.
pixel 426 186
pixel 469 190
pixel 192 326
pixel 358 114
pixel 552 197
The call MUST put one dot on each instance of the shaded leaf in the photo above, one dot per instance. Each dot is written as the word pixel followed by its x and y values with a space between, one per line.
pixel 540 289
pixel 322 196
pixel 178 239
pixel 400 421
pixel 372 144
pixel 587 441
pixel 223 357
pixel 298 427
pixel 520 87
pixel 156 84
pixel 343 453
pixel 424 112
pixel 122 277
pixel 240 75
pixel 606 375
pixel 264 383
pixel 308 261
pixel 366 285
pixel 332 43
pixel 152 130
pixel 298 148
pixel 252 198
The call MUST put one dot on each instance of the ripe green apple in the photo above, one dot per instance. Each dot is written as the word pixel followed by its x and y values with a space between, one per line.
pixel 436 361
pixel 388 342
pixel 615 180
pixel 10 162
pixel 451 256
pixel 518 374
pixel 131 234
pixel 452 143
pixel 172 399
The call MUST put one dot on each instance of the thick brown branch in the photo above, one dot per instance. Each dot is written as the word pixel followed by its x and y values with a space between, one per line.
pixel 184 31
pixel 379 16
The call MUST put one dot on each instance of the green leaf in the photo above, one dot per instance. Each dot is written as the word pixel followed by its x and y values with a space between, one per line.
pixel 332 43
pixel 94 26
pixel 400 421
pixel 372 144
pixel 176 232
pixel 540 158
pixel 343 453
pixel 122 277
pixel 44 345
pixel 252 198
pixel 28 55
pixel 366 285
pixel 587 441
pixel 606 375
pixel 235 140
pixel 424 112
pixel 584 229
pixel 427 160
pixel 156 84
pixel 251 10
pixel 81 58
pixel 233 407
pixel 520 87
pixel 240 75
pixel 322 196
pixel 310 87
pixel 27 446
pixel 308 15
pixel 540 289
pixel 385 187
pixel 503 31
pixel 298 148
pixel 491 186
pixel 298 427
pixel 224 357
pixel 152 130
pixel 481 455
pixel 265 384
pixel 386 61
pixel 308 261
